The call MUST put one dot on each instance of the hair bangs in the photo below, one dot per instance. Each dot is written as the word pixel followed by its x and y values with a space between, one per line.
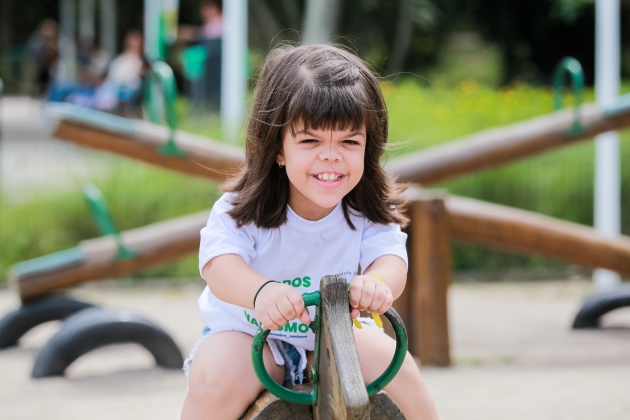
pixel 328 107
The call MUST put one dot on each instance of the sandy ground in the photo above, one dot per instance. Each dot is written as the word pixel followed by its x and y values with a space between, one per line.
pixel 515 357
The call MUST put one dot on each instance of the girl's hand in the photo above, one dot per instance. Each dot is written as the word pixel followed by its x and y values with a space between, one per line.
pixel 279 303
pixel 367 293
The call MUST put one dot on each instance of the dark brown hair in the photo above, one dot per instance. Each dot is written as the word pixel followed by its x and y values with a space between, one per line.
pixel 313 87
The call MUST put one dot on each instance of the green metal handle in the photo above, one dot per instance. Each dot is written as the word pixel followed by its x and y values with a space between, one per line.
pixel 402 343
pixel 310 398
pixel 162 75
pixel 103 218
pixel 574 68
pixel 283 393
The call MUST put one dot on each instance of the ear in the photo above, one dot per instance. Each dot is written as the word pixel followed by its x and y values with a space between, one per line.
pixel 280 159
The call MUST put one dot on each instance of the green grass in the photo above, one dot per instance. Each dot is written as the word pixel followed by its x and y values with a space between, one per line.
pixel 558 183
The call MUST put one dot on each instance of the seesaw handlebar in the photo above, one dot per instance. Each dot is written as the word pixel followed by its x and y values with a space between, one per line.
pixel 310 398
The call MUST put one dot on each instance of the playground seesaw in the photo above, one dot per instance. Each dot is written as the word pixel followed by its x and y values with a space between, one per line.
pixel 486 149
pixel 336 389
pixel 435 219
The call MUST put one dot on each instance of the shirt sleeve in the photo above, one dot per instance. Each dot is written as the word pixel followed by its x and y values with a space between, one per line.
pixel 221 236
pixel 379 240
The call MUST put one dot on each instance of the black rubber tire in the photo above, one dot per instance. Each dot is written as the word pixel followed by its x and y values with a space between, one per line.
pixel 98 327
pixel 599 304
pixel 31 314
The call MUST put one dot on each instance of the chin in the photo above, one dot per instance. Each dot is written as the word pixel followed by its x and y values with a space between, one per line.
pixel 328 203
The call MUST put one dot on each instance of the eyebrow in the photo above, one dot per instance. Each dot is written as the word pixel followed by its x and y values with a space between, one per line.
pixel 310 133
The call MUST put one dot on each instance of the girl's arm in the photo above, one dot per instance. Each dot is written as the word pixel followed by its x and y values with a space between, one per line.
pixel 369 293
pixel 233 281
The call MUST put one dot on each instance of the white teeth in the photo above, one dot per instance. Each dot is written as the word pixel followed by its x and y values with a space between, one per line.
pixel 328 176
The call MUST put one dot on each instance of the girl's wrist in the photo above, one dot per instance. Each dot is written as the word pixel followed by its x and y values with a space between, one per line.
pixel 259 289
pixel 377 277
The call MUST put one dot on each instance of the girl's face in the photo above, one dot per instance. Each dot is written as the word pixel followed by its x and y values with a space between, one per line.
pixel 323 166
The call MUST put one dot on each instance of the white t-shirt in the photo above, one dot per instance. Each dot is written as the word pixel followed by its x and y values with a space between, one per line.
pixel 300 252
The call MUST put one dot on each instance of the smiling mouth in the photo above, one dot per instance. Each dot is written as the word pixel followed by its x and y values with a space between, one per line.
pixel 328 176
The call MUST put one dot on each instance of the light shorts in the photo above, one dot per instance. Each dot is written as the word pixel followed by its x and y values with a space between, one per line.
pixel 293 358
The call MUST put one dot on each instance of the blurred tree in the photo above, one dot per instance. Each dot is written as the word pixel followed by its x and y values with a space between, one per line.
pixel 534 35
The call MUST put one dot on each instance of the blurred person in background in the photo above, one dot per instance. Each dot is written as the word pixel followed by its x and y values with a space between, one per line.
pixel 212 15
pixel 44 47
pixel 209 37
pixel 119 89
pixel 123 82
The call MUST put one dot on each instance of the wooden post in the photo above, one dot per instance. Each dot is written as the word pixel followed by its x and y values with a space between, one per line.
pixel 425 303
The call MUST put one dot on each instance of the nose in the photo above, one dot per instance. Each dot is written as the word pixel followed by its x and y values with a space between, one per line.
pixel 330 153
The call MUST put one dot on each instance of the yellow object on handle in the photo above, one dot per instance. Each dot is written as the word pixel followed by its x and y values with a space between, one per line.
pixel 357 324
pixel 376 318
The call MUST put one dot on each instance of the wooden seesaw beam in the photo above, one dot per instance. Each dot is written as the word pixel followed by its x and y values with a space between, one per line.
pixel 140 140
pixel 527 232
pixel 207 158
pixel 497 146
pixel 96 259
pixel 468 219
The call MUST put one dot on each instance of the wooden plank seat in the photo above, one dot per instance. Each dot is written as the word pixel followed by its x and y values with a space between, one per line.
pixel 270 407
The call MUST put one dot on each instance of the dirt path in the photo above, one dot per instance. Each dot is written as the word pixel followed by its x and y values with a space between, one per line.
pixel 32 161
pixel 515 358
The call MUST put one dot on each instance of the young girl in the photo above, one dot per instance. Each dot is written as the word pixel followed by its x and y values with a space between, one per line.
pixel 311 200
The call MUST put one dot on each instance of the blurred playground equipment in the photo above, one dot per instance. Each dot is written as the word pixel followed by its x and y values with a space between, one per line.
pixel 435 216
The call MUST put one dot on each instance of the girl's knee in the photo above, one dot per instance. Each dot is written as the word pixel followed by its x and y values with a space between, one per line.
pixel 221 395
